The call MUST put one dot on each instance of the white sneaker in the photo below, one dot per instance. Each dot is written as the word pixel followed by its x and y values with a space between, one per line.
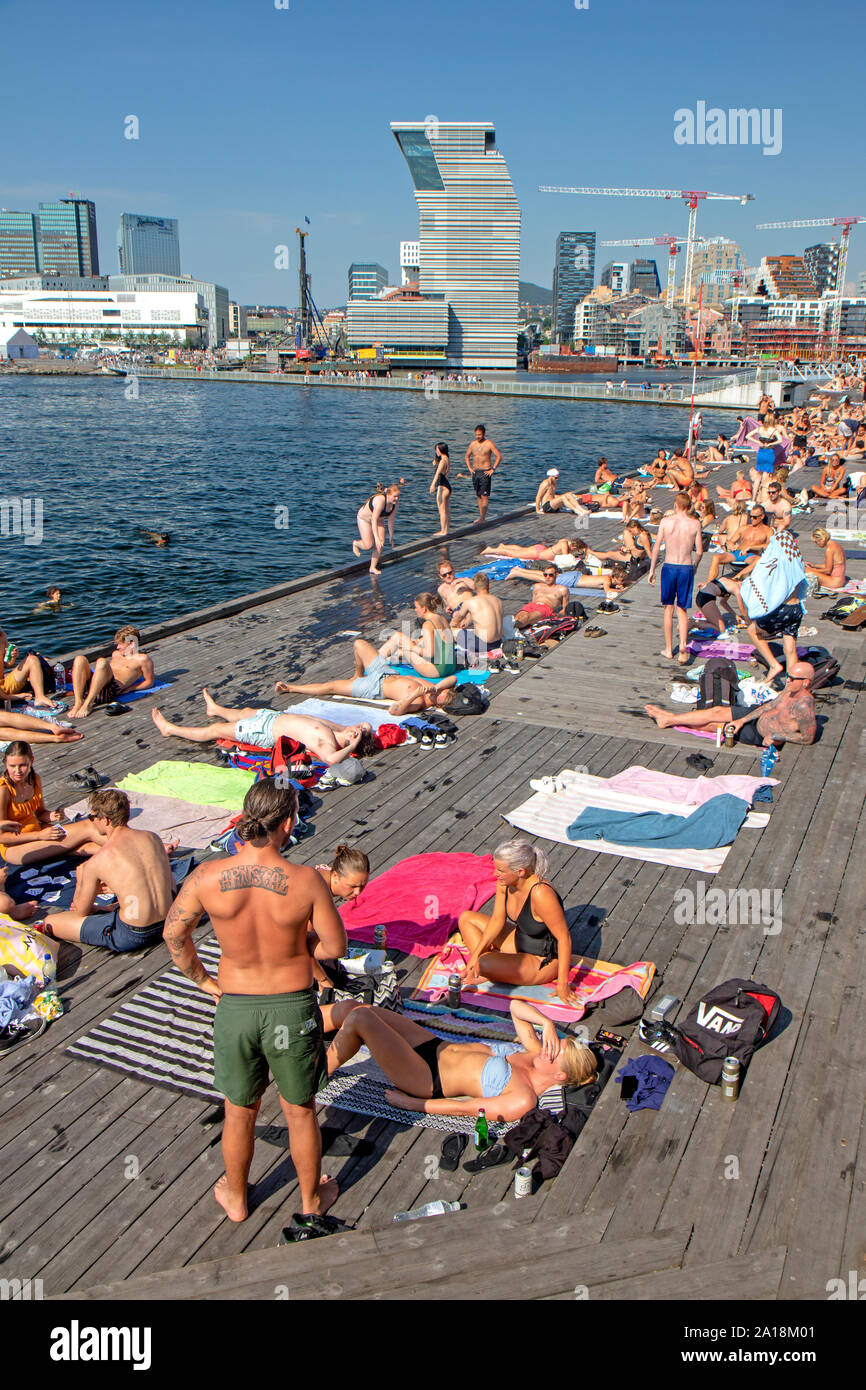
pixel 546 784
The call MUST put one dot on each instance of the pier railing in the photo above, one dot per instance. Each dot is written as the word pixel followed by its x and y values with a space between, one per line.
pixel 678 393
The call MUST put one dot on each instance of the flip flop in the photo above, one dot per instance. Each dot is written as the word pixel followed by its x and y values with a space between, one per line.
pixel 302 1227
pixel 451 1152
pixel 115 709
pixel 488 1158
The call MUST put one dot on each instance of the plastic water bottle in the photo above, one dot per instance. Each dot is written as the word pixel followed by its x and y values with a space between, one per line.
pixel 429 1209
pixel 768 759
pixel 59 677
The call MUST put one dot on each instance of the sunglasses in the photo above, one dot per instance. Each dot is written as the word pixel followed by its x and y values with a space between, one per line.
pixel 445 573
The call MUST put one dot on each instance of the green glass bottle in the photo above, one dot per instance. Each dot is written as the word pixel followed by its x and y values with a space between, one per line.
pixel 482 1133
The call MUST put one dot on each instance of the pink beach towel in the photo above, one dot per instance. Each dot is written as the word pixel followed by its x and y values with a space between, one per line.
pixel 419 900
pixel 591 980
pixel 689 791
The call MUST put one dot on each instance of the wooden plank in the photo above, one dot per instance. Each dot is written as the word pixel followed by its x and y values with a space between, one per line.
pixel 747 1279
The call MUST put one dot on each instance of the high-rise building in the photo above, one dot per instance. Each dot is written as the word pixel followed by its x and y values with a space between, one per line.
pixel 366 279
pixel 786 277
pixel 573 278
pixel 718 254
pixel 19 243
pixel 410 268
pixel 615 276
pixel 469 235
pixel 643 278
pixel 861 282
pixel 822 265
pixel 148 245
pixel 67 237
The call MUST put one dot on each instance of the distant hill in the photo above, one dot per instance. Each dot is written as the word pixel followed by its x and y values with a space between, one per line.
pixel 534 294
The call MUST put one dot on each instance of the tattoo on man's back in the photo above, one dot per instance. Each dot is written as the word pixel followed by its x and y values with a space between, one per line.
pixel 254 876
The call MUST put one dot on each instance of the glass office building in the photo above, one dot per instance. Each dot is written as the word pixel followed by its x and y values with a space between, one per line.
pixel 148 245
pixel 19 243
pixel 67 237
pixel 643 278
pixel 469 235
pixel 573 279
pixel 366 279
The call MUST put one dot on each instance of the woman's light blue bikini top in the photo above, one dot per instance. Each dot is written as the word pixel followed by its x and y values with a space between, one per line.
pixel 496 1072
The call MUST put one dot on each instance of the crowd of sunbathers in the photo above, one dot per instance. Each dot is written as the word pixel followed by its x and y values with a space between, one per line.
pixel 277 922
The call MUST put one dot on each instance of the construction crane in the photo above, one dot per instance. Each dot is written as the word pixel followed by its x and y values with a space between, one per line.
pixel 310 325
pixel 846 223
pixel 674 245
pixel 690 196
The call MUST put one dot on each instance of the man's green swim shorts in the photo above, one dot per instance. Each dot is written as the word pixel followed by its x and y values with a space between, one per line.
pixel 257 1033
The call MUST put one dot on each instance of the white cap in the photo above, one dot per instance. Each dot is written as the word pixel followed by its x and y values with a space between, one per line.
pixel 553 472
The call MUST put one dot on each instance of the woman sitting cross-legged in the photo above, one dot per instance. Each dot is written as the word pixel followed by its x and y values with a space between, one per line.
pixel 525 940
pixel 29 832
pixel 447 1078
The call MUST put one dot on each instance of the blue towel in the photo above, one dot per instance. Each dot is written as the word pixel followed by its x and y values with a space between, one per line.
pixel 654 1075
pixel 470 675
pixel 712 825
pixel 497 569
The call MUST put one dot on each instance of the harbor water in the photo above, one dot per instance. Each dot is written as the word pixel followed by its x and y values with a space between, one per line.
pixel 255 486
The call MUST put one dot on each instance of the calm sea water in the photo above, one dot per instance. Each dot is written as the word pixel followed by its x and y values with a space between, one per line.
pixel 212 463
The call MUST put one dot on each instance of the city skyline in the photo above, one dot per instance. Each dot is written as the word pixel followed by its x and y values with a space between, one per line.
pixel 188 154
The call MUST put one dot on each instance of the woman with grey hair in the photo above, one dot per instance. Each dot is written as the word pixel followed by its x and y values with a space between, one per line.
pixel 525 940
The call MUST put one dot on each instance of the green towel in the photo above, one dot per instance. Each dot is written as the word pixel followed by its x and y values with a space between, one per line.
pixel 198 782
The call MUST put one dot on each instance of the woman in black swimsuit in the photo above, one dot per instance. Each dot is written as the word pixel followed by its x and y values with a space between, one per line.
pixel 526 939
pixel 442 487
pixel 371 522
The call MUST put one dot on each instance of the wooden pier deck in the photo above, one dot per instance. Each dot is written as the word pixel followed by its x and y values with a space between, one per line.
pixel 702 1199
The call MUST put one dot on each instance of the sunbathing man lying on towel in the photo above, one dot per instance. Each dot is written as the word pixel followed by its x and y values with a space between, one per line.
pixel 435 1077
pixel 332 743
pixel 790 718
pixel 374 679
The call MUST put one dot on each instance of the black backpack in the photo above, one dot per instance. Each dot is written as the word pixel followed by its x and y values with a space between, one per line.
pixel 467 700
pixel 719 683
pixel 728 1021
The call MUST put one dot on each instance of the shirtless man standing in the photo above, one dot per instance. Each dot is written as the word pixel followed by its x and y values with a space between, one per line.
pixel 261 908
pixel 478 620
pixel 681 536
pixel 482 459
pixel 127 669
pixel 549 599
pixel 331 742
pixel 374 679
pixel 134 866
pixel 790 718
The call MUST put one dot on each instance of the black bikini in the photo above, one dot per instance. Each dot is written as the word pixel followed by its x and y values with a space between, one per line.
pixel 386 510
pixel 533 938
pixel 428 1051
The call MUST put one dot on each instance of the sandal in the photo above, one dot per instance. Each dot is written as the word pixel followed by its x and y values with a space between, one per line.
pixel 488 1158
pixel 310 1227
pixel 451 1152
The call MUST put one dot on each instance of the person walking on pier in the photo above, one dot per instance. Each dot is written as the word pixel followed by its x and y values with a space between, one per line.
pixel 482 459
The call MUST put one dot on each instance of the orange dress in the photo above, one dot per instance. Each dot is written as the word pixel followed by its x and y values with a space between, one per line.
pixel 25 814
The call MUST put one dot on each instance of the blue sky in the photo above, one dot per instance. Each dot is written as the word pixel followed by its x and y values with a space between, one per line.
pixel 252 117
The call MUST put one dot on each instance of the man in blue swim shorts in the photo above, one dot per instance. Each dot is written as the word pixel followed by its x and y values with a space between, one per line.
pixel 680 533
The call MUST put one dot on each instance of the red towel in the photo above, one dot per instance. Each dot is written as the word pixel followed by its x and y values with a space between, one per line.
pixel 389 735
pixel 420 899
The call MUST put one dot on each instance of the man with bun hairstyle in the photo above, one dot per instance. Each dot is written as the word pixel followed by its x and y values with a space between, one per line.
pixel 261 908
